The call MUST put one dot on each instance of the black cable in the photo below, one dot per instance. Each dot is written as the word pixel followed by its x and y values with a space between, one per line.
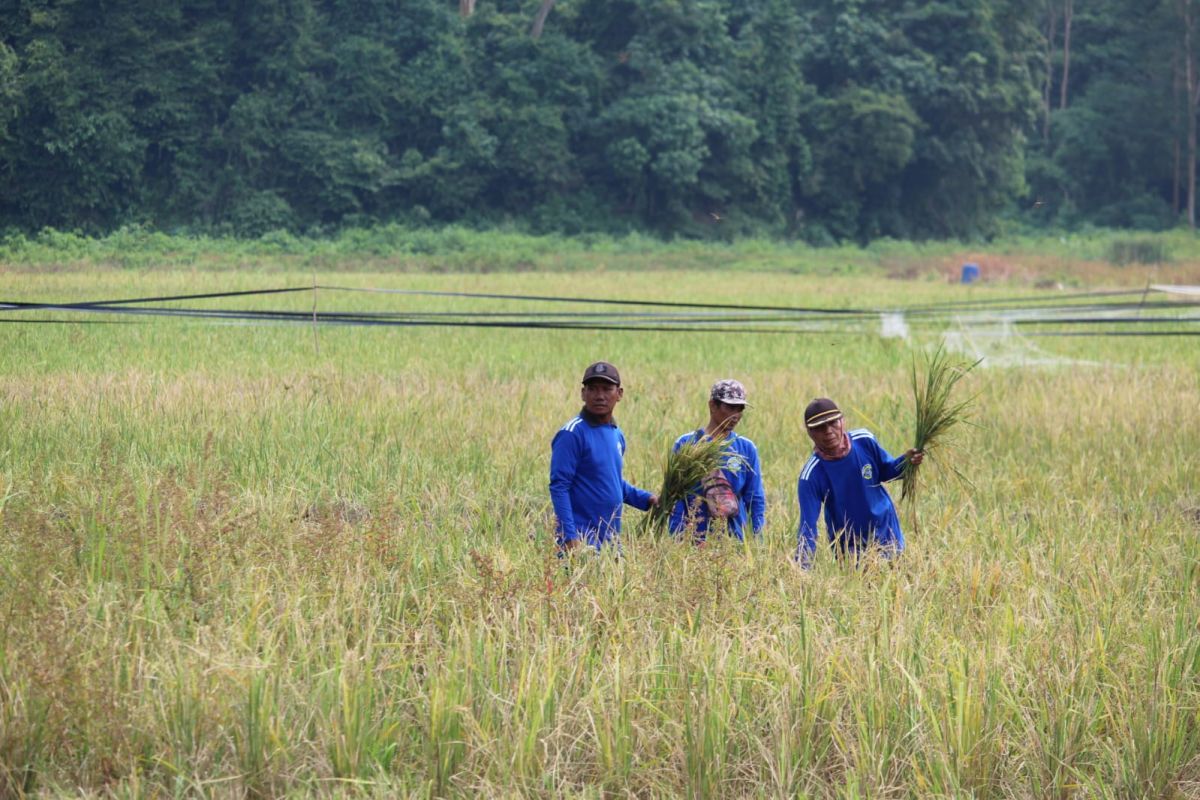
pixel 603 301
pixel 629 321
pixel 69 321
pixel 160 299
pixel 951 304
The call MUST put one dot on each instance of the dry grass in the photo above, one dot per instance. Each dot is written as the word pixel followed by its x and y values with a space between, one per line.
pixel 231 568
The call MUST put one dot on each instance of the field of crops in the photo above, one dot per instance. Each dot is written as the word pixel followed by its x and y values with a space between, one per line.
pixel 241 558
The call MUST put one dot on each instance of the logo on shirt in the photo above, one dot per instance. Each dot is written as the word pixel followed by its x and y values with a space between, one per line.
pixel 867 472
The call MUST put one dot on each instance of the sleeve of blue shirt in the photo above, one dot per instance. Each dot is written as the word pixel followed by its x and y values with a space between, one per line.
pixel 638 498
pixel 754 496
pixel 632 495
pixel 889 468
pixel 564 460
pixel 810 509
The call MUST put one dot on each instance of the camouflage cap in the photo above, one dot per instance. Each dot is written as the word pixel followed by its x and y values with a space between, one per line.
pixel 728 391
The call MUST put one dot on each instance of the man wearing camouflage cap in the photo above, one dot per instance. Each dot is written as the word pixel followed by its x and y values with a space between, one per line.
pixel 733 495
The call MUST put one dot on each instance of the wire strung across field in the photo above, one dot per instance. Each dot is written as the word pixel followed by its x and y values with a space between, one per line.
pixel 1101 313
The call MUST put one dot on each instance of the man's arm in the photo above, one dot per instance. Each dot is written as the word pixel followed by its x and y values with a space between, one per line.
pixel 810 509
pixel 754 496
pixel 638 498
pixel 632 495
pixel 564 461
pixel 892 468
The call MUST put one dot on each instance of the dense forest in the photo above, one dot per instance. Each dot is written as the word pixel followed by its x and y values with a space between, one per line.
pixel 823 120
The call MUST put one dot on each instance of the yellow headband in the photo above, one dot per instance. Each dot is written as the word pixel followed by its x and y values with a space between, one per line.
pixel 825 416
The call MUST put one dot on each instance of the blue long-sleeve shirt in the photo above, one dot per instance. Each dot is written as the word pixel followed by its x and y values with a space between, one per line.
pixel 587 487
pixel 858 510
pixel 741 468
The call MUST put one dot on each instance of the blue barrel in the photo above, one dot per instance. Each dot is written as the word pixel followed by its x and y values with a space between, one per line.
pixel 970 273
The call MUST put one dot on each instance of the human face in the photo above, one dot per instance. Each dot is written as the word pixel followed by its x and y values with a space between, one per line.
pixel 724 416
pixel 601 397
pixel 829 436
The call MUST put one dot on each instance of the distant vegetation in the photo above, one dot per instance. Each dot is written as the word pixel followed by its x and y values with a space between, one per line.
pixel 824 121
pixel 1109 257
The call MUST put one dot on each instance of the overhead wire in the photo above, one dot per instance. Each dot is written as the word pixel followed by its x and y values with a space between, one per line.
pixel 1097 309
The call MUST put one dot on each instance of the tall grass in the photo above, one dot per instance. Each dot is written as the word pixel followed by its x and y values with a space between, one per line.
pixel 232 566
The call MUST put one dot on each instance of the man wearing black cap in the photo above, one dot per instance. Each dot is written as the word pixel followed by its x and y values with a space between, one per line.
pixel 845 474
pixel 587 457
pixel 734 493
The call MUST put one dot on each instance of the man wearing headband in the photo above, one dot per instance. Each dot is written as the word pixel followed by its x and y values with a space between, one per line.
pixel 845 475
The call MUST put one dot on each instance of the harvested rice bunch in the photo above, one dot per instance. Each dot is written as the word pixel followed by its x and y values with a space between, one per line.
pixel 937 413
pixel 683 470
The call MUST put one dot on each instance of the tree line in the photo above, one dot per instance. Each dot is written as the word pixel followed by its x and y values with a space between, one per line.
pixel 824 120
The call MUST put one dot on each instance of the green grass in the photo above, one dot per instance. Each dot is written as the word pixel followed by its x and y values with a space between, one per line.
pixel 237 561
pixel 1067 259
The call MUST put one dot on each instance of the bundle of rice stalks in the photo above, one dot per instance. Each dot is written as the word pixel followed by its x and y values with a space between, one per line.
pixel 936 413
pixel 683 469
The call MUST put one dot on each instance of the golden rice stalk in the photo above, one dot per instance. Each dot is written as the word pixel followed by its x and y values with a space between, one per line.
pixel 936 412
pixel 683 469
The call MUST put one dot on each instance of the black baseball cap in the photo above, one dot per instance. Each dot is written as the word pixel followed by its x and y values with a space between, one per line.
pixel 602 371
pixel 820 411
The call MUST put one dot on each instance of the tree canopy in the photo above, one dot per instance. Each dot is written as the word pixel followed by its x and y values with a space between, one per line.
pixel 824 119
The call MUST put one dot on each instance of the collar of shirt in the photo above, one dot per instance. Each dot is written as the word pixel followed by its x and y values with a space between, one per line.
pixel 699 434
pixel 592 419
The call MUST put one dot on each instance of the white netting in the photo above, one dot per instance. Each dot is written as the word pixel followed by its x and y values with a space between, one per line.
pixel 893 326
pixel 1186 291
pixel 998 342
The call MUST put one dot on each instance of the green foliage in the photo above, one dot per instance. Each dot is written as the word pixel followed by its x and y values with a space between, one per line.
pixel 710 119
pixel 706 119
pixel 1111 155
pixel 399 248
pixel 1137 251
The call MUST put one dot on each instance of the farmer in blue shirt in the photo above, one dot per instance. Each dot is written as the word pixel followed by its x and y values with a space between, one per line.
pixel 586 460
pixel 845 474
pixel 733 495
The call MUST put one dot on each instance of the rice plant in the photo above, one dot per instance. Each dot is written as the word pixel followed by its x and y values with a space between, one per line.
pixel 683 470
pixel 229 566
pixel 937 413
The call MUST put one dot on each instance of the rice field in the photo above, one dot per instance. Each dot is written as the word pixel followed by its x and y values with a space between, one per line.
pixel 257 560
